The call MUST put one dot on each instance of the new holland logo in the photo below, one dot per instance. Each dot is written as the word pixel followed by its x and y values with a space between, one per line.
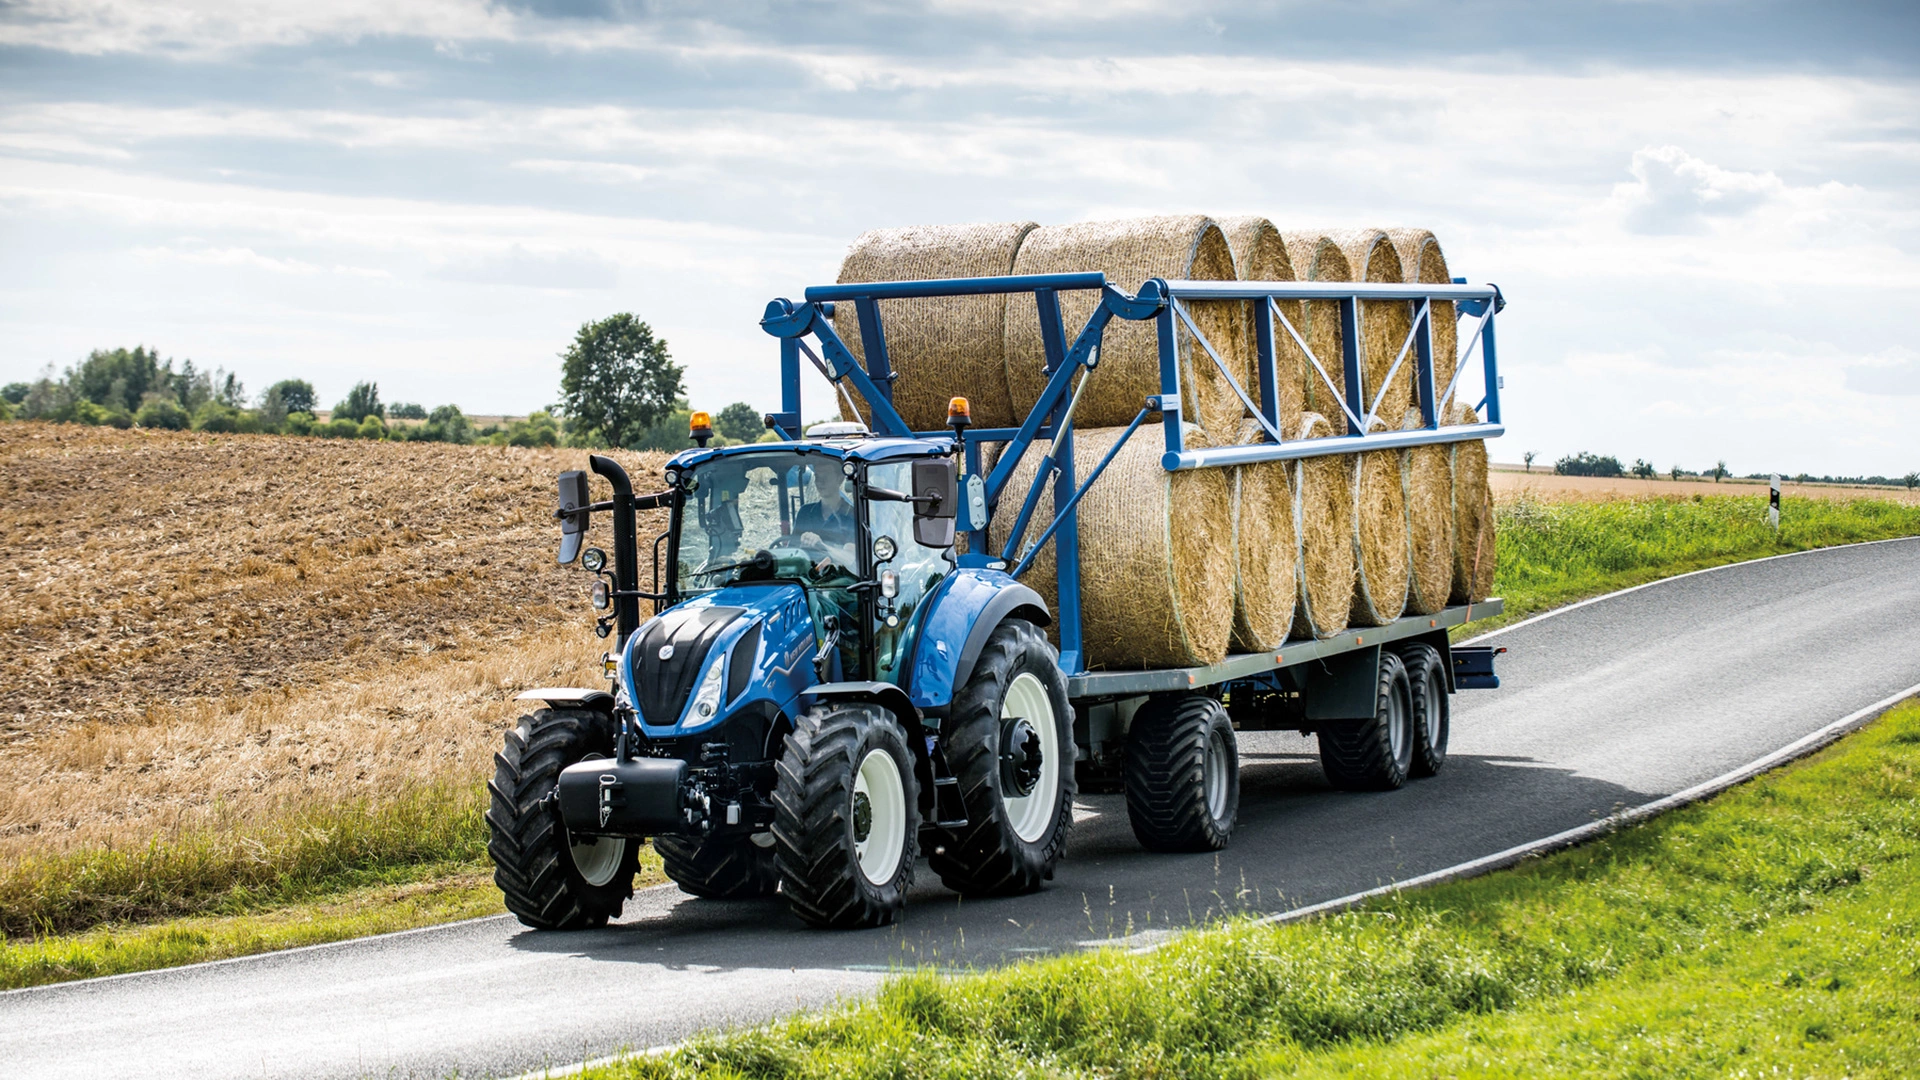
pixel 609 783
pixel 666 652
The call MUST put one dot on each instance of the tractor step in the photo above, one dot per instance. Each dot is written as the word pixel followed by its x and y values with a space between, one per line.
pixel 948 810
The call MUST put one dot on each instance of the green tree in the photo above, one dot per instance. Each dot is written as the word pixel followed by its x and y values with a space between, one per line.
pixel 1719 471
pixel 1643 469
pixel 617 380
pixel 1528 458
pixel 163 413
pixel 296 394
pixel 406 410
pixel 118 378
pixel 14 392
pixel 739 423
pixel 371 427
pixel 1912 479
pixel 362 401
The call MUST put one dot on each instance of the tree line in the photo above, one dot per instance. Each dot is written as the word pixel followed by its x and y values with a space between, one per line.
pixel 1606 465
pixel 619 388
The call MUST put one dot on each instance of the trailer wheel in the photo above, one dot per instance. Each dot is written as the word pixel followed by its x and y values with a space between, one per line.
pixel 718 867
pixel 1182 774
pixel 845 816
pixel 1010 745
pixel 1374 753
pixel 1427 689
pixel 550 880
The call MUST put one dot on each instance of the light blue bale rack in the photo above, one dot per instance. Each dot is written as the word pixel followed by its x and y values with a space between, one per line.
pixel 1051 418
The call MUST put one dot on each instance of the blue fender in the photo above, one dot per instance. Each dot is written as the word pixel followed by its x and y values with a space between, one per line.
pixel 969 604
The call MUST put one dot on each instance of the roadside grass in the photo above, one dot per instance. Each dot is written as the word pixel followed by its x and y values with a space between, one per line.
pixel 1556 552
pixel 1774 929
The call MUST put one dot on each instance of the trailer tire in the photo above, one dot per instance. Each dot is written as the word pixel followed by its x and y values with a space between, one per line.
pixel 551 883
pixel 1011 842
pixel 1432 719
pixel 1374 753
pixel 1182 774
pixel 718 867
pixel 846 768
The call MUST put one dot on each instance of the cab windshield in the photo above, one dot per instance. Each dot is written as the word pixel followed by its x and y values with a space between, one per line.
pixel 760 516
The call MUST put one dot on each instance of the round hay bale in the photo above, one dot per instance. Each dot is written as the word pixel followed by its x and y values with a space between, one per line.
pixel 1130 252
pixel 1156 567
pixel 1422 260
pixel 1265 551
pixel 1381 549
pixel 1427 479
pixel 941 347
pixel 1260 254
pixel 1323 519
pixel 1384 324
pixel 1475 553
pixel 1317 258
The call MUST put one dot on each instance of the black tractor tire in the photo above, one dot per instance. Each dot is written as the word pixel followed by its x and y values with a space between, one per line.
pixel 534 860
pixel 1010 845
pixel 1182 774
pixel 729 867
pixel 1432 714
pixel 818 817
pixel 1374 753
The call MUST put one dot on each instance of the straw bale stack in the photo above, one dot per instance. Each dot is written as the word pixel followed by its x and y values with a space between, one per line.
pixel 1474 554
pixel 1315 257
pixel 1427 478
pixel 1129 252
pixel 1260 254
pixel 1265 550
pixel 1384 324
pixel 944 346
pixel 1381 549
pixel 1422 260
pixel 1156 567
pixel 1323 516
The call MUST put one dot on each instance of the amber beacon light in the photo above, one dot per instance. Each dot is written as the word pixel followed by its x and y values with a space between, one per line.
pixel 700 428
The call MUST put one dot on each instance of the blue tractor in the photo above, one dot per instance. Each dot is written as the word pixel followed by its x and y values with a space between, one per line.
pixel 829 688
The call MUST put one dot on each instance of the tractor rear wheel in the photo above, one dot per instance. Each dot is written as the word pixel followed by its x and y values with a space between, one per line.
pixel 718 867
pixel 1374 753
pixel 1010 745
pixel 1427 686
pixel 1182 774
pixel 551 880
pixel 846 816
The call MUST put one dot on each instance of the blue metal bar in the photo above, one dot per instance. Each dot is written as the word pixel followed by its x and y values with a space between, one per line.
pixel 1272 429
pixel 873 343
pixel 1214 457
pixel 907 290
pixel 787 420
pixel 1074 500
pixel 884 419
pixel 1423 339
pixel 1492 369
pixel 1325 379
pixel 1380 392
pixel 1356 396
pixel 1053 335
pixel 1322 290
pixel 1269 365
pixel 1170 403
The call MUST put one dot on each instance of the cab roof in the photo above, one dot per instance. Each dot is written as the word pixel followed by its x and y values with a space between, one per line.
pixel 868 448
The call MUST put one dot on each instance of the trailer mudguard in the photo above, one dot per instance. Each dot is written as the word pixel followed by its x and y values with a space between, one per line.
pixel 970 603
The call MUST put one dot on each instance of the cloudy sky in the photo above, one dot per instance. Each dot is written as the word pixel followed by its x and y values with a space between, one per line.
pixel 1706 215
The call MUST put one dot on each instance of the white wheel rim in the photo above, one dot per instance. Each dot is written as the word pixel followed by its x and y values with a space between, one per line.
pixel 1398 718
pixel 1435 731
pixel 1217 780
pixel 1031 814
pixel 878 784
pixel 597 859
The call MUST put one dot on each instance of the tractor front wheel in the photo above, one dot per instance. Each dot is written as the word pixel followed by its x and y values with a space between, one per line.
pixel 551 880
pixel 846 816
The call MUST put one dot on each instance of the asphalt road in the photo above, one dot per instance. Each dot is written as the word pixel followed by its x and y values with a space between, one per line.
pixel 1609 705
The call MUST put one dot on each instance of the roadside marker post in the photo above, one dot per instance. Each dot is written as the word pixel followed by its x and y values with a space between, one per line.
pixel 1773 503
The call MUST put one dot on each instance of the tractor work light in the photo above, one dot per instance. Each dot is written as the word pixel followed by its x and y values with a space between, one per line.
pixel 600 596
pixel 593 560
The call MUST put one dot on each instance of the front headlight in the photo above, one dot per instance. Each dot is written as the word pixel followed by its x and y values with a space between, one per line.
pixel 706 700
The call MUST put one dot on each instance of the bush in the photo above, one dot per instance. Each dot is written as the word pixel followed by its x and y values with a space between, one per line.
pixel 6 409
pixel 298 423
pixel 371 428
pixel 406 410
pixel 447 424
pixel 82 411
pixel 163 414
pixel 296 394
pixel 539 429
pixel 1585 464
pixel 14 393
pixel 338 428
pixel 215 417
pixel 362 401
pixel 120 418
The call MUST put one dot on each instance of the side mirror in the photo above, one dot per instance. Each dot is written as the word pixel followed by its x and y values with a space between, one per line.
pixel 573 513
pixel 937 499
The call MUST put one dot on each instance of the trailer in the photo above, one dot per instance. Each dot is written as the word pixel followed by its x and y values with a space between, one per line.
pixel 826 689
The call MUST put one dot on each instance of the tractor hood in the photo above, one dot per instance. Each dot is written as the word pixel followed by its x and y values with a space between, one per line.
pixel 689 667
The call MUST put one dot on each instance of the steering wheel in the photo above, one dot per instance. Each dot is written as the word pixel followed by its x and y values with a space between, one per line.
pixel 761 561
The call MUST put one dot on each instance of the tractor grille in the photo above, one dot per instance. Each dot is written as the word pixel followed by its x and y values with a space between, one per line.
pixel 661 687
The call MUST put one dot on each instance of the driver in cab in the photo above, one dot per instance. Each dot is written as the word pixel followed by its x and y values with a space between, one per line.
pixel 829 522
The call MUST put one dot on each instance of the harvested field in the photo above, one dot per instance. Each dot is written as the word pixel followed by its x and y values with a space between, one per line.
pixel 1510 481
pixel 218 625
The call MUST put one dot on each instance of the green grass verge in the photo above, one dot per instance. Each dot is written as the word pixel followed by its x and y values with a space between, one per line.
pixel 1774 930
pixel 1554 553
